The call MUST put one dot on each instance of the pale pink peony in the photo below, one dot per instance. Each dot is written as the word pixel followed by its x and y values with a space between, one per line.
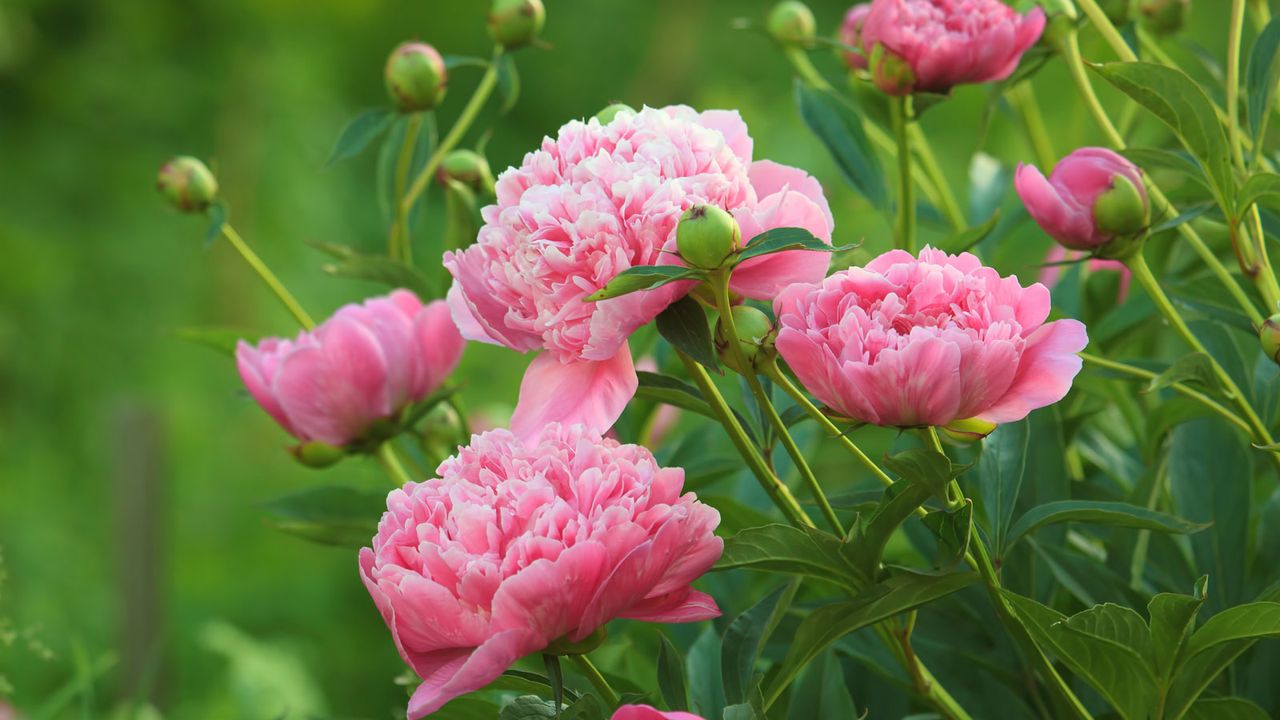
pixel 521 543
pixel 1063 204
pixel 647 712
pixel 596 200
pixel 365 363
pixel 1052 270
pixel 851 35
pixel 946 43
pixel 907 342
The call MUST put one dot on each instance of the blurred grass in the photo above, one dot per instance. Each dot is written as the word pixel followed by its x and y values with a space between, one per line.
pixel 95 275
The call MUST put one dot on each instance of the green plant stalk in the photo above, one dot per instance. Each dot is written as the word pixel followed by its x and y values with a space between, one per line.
pixel 1233 82
pixel 387 458
pixel 589 671
pixel 282 294
pixel 1261 13
pixel 1023 98
pixel 901 112
pixel 773 487
pixel 1070 49
pixel 1138 266
pixel 454 136
pixel 1109 33
pixel 1186 390
pixel 399 246
pixel 945 200
pixel 720 281
pixel 1267 284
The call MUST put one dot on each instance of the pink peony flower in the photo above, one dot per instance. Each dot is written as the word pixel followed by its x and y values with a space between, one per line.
pixel 1065 205
pixel 907 342
pixel 364 364
pixel 1051 272
pixel 596 200
pixel 935 45
pixel 521 543
pixel 646 712
pixel 851 35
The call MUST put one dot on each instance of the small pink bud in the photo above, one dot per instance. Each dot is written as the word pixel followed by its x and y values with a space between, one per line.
pixel 1093 197
pixel 416 77
pixel 851 35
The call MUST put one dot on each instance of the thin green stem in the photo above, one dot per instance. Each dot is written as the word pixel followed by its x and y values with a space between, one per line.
pixel 946 200
pixel 901 113
pixel 1109 33
pixel 391 463
pixel 1186 390
pixel 1266 281
pixel 1023 98
pixel 589 671
pixel 399 247
pixel 1236 30
pixel 777 491
pixel 268 277
pixel 464 427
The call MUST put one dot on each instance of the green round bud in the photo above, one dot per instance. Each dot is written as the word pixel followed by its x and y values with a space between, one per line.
pixel 967 431
pixel 416 77
pixel 316 454
pixel 1269 336
pixel 1164 17
pixel 516 23
pixel 610 112
pixel 707 236
pixel 890 73
pixel 467 167
pixel 791 23
pixel 187 184
pixel 1117 11
pixel 755 338
pixel 1123 213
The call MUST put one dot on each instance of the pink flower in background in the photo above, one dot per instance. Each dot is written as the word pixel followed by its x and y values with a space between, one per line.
pixel 909 342
pixel 521 543
pixel 1064 205
pixel 365 363
pixel 938 44
pixel 1051 272
pixel 851 35
pixel 596 200
pixel 646 712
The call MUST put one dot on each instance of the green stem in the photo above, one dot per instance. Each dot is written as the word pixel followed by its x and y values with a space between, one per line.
pixel 1266 281
pixel 268 277
pixel 387 458
pixel 777 491
pixel 901 114
pixel 597 680
pixel 1109 33
pixel 1261 15
pixel 945 200
pixel 1023 98
pixel 1236 30
pixel 399 247
pixel 1190 392
pixel 464 427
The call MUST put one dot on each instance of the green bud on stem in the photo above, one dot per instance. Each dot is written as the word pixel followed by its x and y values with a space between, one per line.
pixel 415 77
pixel 707 236
pixel 1269 336
pixel 467 167
pixel 755 339
pixel 316 454
pixel 791 24
pixel 610 112
pixel 187 184
pixel 516 23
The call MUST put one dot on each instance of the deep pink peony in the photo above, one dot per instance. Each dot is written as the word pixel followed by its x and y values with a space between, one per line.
pixel 647 712
pixel 364 364
pixel 599 199
pixel 851 35
pixel 1063 205
pixel 946 43
pixel 909 342
pixel 521 543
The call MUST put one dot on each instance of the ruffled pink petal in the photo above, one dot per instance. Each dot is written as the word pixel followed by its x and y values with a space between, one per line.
pixel 734 130
pixel 593 393
pixel 464 318
pixel 769 178
pixel 679 606
pixel 917 385
pixel 546 598
pixel 1049 364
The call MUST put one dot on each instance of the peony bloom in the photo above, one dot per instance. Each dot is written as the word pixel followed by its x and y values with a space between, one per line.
pixel 366 363
pixel 1051 271
pixel 934 45
pixel 520 543
pixel 910 342
pixel 851 35
pixel 1092 196
pixel 646 712
pixel 596 200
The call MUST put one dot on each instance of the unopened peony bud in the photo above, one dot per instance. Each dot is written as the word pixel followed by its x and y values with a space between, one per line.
pixel 467 167
pixel 1269 335
pixel 755 338
pixel 187 183
pixel 707 236
pixel 516 23
pixel 1164 17
pixel 316 454
pixel 607 115
pixel 967 431
pixel 1093 198
pixel 851 35
pixel 890 73
pixel 791 23
pixel 416 77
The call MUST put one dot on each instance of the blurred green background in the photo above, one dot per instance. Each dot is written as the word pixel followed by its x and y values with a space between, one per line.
pixel 136 564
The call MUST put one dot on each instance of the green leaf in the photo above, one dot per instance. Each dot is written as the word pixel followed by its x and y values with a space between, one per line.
pixel 964 240
pixel 556 677
pixel 329 514
pixel 783 239
pixel 1151 159
pixel 460 216
pixel 928 467
pixel 358 133
pixel 1173 617
pixel 219 213
pixel 1261 187
pixel 672 391
pixel 820 692
pixel 334 250
pixel 527 707
pixel 671 675
pixel 838 126
pixel 457 61
pixel 1261 77
pixel 642 277
pixel 740 648
pixel 1101 512
pixel 1222 639
pixel 1225 708
pixel 742 711
pixel 952 528
pixel 1115 624
pixel 384 270
pixel 706 691
pixel 684 325
pixel 223 340
pixel 1186 216
pixel 1180 103
pixel 829 623
pixel 787 549
pixel 927 473
pixel 508 84
pixel 1000 471
pixel 1118 673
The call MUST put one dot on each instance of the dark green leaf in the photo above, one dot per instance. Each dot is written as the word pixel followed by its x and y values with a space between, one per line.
pixel 1225 708
pixel 742 711
pixel 457 61
pixel 782 239
pixel 671 675
pixel 1151 159
pixel 528 707
pixel 358 133
pixel 820 692
pixel 1098 511
pixel 329 514
pixel 1261 77
pixel 706 691
pixel 952 528
pixel 333 250
pixel 556 677
pixel 508 83
pixel 642 277
pixel 1186 216
pixel 1115 624
pixel 1000 471
pixel 928 467
pixel 223 340
pixel 1250 621
pixel 964 240
pixel 927 473
pixel 384 270
pixel 684 325
pixel 838 126
pixel 1263 187
pixel 787 549
pixel 1173 618
pixel 740 648
pixel 218 216
pixel 672 391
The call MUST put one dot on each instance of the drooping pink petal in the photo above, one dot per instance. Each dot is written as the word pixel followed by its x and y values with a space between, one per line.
pixel 1049 363
pixel 591 393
